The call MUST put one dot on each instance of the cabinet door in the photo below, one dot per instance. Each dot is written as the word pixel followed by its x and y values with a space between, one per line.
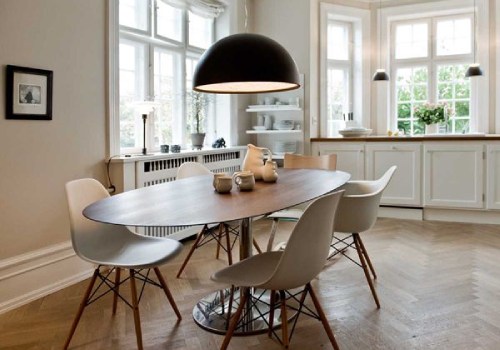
pixel 350 157
pixel 453 175
pixel 493 176
pixel 405 186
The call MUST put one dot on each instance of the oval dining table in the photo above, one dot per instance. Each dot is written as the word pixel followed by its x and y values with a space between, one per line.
pixel 193 201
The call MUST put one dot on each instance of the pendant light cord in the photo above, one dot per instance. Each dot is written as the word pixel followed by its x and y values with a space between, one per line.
pixel 475 35
pixel 380 32
pixel 246 17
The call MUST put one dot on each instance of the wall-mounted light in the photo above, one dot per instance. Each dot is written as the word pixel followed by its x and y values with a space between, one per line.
pixel 474 69
pixel 380 74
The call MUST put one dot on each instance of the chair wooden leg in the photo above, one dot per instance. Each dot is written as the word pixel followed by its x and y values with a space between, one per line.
pixel 135 307
pixel 365 253
pixel 117 289
pixel 191 251
pixel 228 245
pixel 322 316
pixel 256 245
pixel 284 320
pixel 365 269
pixel 167 293
pixel 219 240
pixel 272 234
pixel 271 313
pixel 230 307
pixel 83 304
pixel 234 322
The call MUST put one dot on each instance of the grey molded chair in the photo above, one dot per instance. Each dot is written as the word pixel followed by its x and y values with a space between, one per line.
pixel 281 271
pixel 358 212
pixel 219 233
pixel 297 161
pixel 115 247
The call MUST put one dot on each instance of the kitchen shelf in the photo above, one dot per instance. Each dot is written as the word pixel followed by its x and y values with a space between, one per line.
pixel 274 131
pixel 272 108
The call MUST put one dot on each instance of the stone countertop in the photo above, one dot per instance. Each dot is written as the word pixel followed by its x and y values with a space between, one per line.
pixel 421 138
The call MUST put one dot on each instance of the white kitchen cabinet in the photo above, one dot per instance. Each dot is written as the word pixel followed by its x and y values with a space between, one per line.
pixel 350 156
pixel 453 174
pixel 405 187
pixel 493 176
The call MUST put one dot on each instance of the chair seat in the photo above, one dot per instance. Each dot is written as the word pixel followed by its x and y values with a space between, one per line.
pixel 137 252
pixel 287 214
pixel 254 271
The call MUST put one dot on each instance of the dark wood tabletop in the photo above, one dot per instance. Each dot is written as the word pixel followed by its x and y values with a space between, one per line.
pixel 193 201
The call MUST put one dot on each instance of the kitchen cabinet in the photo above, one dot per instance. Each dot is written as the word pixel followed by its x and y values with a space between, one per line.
pixel 493 176
pixel 405 186
pixel 453 174
pixel 350 156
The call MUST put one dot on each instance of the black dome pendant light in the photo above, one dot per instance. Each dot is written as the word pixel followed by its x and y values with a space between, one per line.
pixel 474 69
pixel 380 74
pixel 244 64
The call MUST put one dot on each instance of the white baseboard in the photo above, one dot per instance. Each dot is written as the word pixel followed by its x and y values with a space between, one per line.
pixel 401 213
pixel 465 216
pixel 30 276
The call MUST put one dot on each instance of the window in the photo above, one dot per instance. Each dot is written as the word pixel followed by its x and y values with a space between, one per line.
pixel 160 44
pixel 430 57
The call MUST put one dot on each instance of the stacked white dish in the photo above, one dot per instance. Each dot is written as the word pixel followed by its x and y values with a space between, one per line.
pixel 283 124
pixel 355 132
pixel 282 147
pixel 259 127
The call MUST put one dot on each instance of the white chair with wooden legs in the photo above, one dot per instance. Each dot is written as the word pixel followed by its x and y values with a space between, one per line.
pixel 282 271
pixel 296 161
pixel 113 248
pixel 219 233
pixel 358 212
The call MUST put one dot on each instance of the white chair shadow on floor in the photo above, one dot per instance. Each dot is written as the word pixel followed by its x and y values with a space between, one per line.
pixel 281 271
pixel 113 248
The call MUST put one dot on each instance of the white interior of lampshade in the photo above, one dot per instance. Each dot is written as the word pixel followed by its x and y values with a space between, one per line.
pixel 243 87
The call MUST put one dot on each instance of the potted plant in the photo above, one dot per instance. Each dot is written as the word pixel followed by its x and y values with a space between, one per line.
pixel 431 115
pixel 197 107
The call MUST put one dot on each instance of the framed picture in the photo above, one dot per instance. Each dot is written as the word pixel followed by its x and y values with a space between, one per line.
pixel 28 93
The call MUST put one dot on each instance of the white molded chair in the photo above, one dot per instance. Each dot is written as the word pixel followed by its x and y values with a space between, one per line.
pixel 281 271
pixel 358 212
pixel 210 233
pixel 116 247
pixel 297 161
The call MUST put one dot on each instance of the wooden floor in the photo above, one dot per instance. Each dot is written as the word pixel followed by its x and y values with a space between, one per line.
pixel 438 283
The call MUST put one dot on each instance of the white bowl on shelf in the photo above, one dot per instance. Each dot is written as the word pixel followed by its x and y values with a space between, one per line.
pixel 282 147
pixel 259 127
pixel 284 124
pixel 355 132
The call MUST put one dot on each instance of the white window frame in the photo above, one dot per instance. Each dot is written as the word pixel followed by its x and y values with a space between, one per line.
pixel 361 55
pixel 480 103
pixel 115 34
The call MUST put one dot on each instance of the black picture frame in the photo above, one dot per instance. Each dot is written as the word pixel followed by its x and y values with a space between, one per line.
pixel 28 93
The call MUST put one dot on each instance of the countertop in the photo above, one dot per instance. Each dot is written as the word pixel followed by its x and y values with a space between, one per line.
pixel 421 138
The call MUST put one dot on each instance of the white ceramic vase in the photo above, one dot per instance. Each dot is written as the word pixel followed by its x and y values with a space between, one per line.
pixel 431 129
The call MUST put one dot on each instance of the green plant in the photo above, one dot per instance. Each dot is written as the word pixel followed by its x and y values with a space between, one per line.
pixel 430 113
pixel 197 105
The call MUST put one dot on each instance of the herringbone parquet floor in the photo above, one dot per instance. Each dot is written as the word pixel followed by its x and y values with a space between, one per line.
pixel 438 283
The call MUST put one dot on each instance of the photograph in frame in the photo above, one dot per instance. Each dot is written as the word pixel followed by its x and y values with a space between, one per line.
pixel 28 93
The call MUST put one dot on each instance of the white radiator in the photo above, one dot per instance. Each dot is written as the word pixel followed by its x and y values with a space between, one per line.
pixel 160 168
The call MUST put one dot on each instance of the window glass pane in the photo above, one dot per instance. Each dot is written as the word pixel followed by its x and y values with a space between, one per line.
pixel 337 97
pixel 134 14
pixel 132 58
pixel 338 41
pixel 168 117
pixel 168 21
pixel 453 37
pixel 454 90
pixel 200 31
pixel 411 40
pixel 411 91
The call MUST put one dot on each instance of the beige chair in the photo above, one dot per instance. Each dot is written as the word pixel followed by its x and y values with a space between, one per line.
pixel 282 271
pixel 295 161
pixel 357 212
pixel 220 233
pixel 115 247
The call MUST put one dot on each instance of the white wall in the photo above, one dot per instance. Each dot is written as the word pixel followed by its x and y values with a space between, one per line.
pixel 38 157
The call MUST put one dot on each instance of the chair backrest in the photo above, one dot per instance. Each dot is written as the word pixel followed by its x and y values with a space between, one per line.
pixel 308 246
pixel 190 169
pixel 298 161
pixel 89 237
pixel 358 209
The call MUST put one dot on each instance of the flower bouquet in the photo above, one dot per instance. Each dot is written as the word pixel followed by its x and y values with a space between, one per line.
pixel 432 114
